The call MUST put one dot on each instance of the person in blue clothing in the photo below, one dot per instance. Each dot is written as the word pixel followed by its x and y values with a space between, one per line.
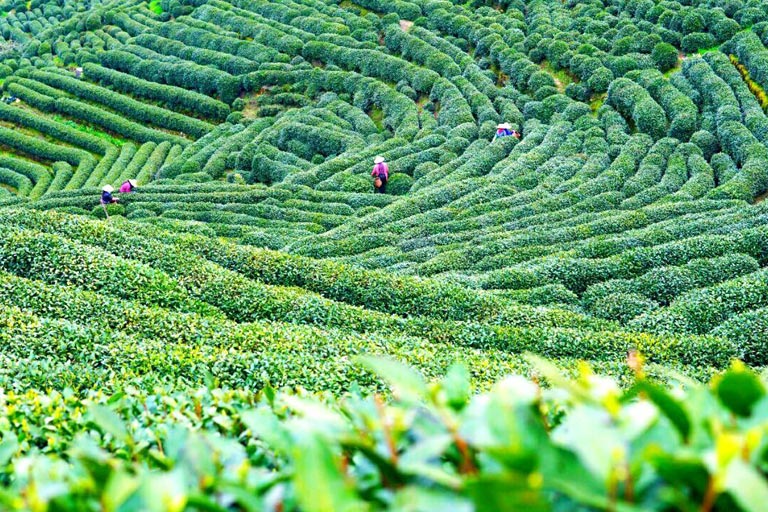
pixel 106 195
pixel 505 130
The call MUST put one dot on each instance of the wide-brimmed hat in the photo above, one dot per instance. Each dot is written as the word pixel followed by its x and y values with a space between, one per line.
pixel 132 182
pixel 107 188
pixel 379 159
pixel 504 126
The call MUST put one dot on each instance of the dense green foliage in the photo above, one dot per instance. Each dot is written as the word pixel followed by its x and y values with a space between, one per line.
pixel 253 256
pixel 583 445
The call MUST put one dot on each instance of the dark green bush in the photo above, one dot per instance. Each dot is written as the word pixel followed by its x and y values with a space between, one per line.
pixel 664 56
pixel 694 42
pixel 399 184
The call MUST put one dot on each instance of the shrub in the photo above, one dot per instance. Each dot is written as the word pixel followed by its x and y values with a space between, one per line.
pixel 693 22
pixel 357 183
pixel 54 129
pixel 40 148
pixel 424 169
pixel 725 29
pixel 694 42
pixel 399 184
pixel 750 332
pixel 62 173
pixel 543 295
pixel 600 80
pixel 540 79
pixel 650 118
pixel 707 142
pixel 203 79
pixel 22 184
pixel 578 91
pixel 131 108
pixel 111 209
pixel 623 307
pixel 633 101
pixel 140 213
pixel 664 56
pixel 95 115
pixel 724 167
pixel 174 97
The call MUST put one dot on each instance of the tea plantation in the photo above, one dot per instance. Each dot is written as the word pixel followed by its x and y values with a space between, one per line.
pixel 254 329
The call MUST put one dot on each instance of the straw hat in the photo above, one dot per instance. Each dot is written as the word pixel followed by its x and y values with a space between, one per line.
pixel 379 159
pixel 132 182
pixel 107 188
pixel 504 126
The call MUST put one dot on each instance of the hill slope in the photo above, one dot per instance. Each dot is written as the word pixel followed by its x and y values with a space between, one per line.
pixel 253 254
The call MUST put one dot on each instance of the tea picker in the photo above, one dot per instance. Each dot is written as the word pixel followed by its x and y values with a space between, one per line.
pixel 380 174
pixel 107 198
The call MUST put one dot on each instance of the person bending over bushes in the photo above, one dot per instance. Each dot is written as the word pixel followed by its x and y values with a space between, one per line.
pixel 128 186
pixel 505 130
pixel 106 195
pixel 380 175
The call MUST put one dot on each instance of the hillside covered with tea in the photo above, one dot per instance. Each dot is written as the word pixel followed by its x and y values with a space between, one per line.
pixel 253 254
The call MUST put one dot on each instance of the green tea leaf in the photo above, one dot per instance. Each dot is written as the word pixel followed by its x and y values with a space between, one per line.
pixel 671 408
pixel 109 422
pixel 746 486
pixel 739 389
pixel 457 386
pixel 405 382
pixel 264 424
pixel 587 431
pixel 418 499
pixel 505 492
pixel 118 489
pixel 320 486
pixel 8 448
pixel 165 492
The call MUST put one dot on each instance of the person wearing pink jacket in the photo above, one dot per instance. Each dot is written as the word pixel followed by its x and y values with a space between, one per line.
pixel 127 186
pixel 380 175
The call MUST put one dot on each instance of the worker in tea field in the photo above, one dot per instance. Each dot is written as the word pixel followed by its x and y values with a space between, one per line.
pixel 128 186
pixel 505 130
pixel 106 195
pixel 380 174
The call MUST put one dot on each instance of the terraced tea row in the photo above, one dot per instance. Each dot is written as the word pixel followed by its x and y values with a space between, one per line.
pixel 621 224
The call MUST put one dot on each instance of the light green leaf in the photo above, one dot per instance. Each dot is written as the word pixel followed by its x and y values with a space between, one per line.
pixel 671 408
pixel 457 386
pixel 264 424
pixel 588 433
pixel 118 489
pixel 165 492
pixel 244 498
pixel 320 486
pixel 8 448
pixel 428 449
pixel 109 422
pixel 312 415
pixel 746 486
pixel 505 492
pixel 406 383
pixel 585 497
pixel 416 499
